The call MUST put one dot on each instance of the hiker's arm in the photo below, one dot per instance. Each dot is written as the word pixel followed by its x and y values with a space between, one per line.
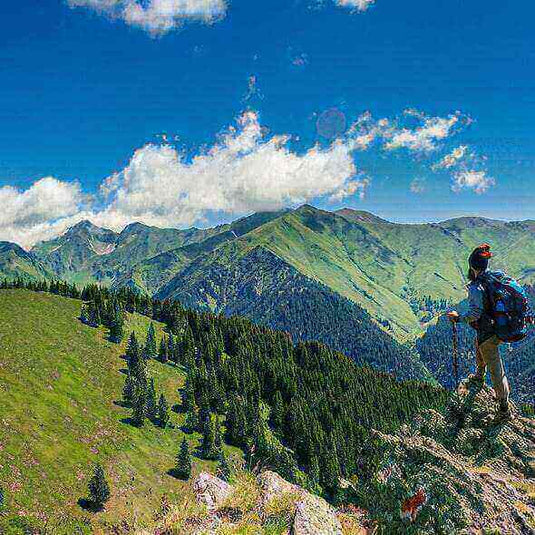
pixel 475 306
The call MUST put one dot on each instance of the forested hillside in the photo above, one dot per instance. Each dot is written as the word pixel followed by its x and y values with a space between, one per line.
pixel 303 409
pixel 264 288
pixel 337 277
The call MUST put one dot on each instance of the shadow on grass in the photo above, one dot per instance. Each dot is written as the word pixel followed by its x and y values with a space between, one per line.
pixel 130 421
pixel 90 506
pixel 173 472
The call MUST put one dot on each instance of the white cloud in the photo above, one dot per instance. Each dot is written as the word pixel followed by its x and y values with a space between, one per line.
pixel 157 17
pixel 468 170
pixel 414 131
pixel 359 5
pixel 477 181
pixel 424 138
pixel 242 172
pixel 30 215
pixel 454 158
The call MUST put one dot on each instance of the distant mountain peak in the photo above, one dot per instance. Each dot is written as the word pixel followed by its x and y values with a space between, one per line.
pixel 361 215
pixel 85 224
pixel 135 225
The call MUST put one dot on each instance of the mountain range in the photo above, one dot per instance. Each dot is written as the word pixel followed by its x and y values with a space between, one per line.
pixel 317 274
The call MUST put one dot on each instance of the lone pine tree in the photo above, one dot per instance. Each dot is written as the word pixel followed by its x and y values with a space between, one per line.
pixel 128 388
pixel 163 412
pixel 150 351
pixel 139 407
pixel 183 461
pixel 99 490
pixel 117 325
pixel 151 406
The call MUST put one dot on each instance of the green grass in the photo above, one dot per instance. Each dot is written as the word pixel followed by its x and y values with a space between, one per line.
pixel 59 381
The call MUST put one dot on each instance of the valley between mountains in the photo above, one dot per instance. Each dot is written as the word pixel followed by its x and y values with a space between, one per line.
pixel 343 277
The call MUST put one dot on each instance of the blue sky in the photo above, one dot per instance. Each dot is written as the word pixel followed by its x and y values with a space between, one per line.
pixel 82 89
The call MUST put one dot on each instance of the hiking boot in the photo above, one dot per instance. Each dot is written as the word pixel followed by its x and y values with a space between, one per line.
pixel 476 379
pixel 504 413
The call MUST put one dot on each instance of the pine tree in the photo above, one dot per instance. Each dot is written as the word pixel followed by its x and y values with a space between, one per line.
pixel 223 468
pixel 84 315
pixel 93 314
pixel 208 447
pixel 188 394
pixel 192 419
pixel 99 490
pixel 163 412
pixel 132 349
pixel 162 352
pixel 117 325
pixel 183 461
pixel 138 408
pixel 151 408
pixel 128 389
pixel 150 351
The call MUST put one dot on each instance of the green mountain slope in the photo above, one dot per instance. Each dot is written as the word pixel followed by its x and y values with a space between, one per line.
pixel 152 274
pixel 268 290
pixel 88 253
pixel 400 274
pixel 59 383
pixel 16 262
pixel 59 412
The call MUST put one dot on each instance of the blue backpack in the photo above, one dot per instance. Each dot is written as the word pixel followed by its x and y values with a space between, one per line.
pixel 508 306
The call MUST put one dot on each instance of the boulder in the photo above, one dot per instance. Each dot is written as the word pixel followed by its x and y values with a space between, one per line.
pixel 211 491
pixel 313 515
pixel 272 485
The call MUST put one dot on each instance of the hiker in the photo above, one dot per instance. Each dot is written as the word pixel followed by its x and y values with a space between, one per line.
pixel 484 315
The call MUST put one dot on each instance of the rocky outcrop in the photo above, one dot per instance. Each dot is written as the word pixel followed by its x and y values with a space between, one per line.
pixel 211 491
pixel 313 515
pixel 464 471
pixel 309 514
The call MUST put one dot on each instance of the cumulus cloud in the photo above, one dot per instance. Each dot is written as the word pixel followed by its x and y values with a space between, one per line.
pixel 468 168
pixel 477 181
pixel 157 17
pixel 425 138
pixel 242 172
pixel 358 5
pixel 453 159
pixel 37 213
pixel 414 131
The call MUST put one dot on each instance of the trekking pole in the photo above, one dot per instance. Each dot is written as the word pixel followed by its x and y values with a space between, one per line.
pixel 455 354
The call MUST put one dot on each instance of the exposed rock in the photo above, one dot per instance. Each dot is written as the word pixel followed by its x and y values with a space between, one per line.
pixel 272 485
pixel 467 469
pixel 211 490
pixel 314 516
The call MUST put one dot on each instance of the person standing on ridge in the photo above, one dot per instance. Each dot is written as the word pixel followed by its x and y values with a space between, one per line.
pixel 498 310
